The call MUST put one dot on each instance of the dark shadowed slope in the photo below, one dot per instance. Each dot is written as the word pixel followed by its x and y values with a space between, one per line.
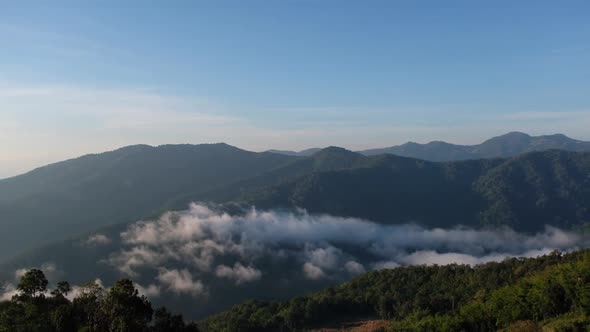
pixel 328 159
pixel 78 195
pixel 525 192
pixel 508 145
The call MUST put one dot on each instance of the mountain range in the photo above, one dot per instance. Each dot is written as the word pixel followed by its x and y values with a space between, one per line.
pixel 76 196
pixel 107 216
pixel 503 146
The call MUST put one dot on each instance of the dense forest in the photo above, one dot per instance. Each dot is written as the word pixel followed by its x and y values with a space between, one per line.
pixel 524 192
pixel 551 292
pixel 517 294
pixel 35 308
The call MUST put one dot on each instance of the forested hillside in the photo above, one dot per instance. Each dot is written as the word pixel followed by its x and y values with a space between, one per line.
pixel 552 291
pixel 524 192
pixel 75 196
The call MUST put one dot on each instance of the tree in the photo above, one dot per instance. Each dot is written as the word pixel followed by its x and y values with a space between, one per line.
pixel 63 318
pixel 32 285
pixel 164 321
pixel 121 309
pixel 88 306
pixel 62 289
pixel 125 310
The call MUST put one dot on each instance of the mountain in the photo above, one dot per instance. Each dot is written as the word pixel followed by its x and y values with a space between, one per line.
pixel 525 192
pixel 362 213
pixel 79 195
pixel 507 145
pixel 547 293
pixel 136 182
pixel 302 153
pixel 82 194
pixel 328 159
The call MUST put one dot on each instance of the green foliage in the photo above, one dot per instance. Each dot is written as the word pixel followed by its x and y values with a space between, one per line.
pixel 525 192
pixel 125 309
pixel 166 322
pixel 63 288
pixel 513 294
pixel 33 284
pixel 120 309
pixel 553 299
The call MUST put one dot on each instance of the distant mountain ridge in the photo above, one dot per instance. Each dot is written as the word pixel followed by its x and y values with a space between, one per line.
pixel 302 153
pixel 504 146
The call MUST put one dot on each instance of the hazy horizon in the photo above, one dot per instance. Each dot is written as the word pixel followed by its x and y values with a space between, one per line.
pixel 79 78
pixel 10 174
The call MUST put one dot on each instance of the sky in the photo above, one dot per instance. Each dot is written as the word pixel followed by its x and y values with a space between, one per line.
pixel 80 77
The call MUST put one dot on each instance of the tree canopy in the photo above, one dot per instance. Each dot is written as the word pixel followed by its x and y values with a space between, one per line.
pixel 93 309
pixel 553 290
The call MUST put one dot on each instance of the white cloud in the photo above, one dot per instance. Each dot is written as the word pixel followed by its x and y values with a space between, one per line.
pixel 49 269
pixel 19 273
pixel 385 265
pixel 431 257
pixel 97 240
pixel 354 267
pixel 324 257
pixel 127 260
pixel 325 246
pixel 434 258
pixel 7 292
pixel 78 290
pixel 313 272
pixel 180 282
pixel 150 291
pixel 239 273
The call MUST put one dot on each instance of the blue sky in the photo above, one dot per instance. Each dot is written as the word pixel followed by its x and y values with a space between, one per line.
pixel 88 76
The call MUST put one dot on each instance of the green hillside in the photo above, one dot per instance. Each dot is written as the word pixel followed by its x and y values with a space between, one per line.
pixel 79 195
pixel 551 291
pixel 524 192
